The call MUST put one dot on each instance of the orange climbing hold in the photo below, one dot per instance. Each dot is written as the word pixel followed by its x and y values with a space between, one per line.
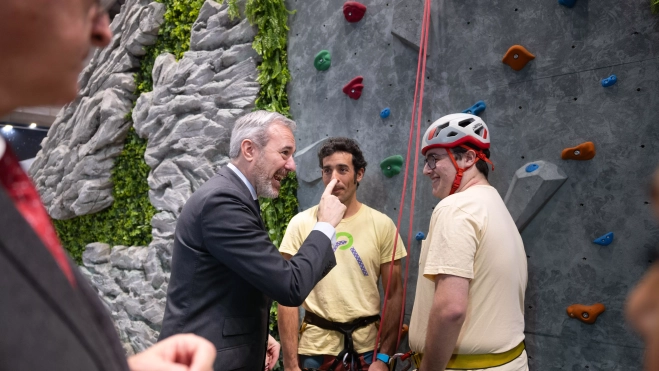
pixel 517 57
pixel 584 151
pixel 585 313
pixel 404 330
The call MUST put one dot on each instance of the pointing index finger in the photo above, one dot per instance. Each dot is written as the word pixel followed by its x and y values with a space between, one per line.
pixel 330 187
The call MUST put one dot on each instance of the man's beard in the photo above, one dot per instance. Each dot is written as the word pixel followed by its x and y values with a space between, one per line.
pixel 263 182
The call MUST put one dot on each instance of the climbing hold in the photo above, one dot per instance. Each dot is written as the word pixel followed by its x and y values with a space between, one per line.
pixel 323 60
pixel 604 240
pixel 585 313
pixel 404 330
pixel 391 165
pixel 307 162
pixel 609 81
pixel 568 3
pixel 532 167
pixel 584 151
pixel 476 109
pixel 385 113
pixel 420 236
pixel 354 88
pixel 529 192
pixel 353 11
pixel 517 57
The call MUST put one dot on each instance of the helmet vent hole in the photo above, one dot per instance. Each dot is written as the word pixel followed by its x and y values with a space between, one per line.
pixel 465 123
pixel 479 131
pixel 452 134
pixel 439 129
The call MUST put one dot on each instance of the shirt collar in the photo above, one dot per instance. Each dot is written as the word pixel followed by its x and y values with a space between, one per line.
pixel 242 177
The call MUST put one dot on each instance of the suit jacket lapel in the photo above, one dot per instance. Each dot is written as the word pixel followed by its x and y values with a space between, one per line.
pixel 22 245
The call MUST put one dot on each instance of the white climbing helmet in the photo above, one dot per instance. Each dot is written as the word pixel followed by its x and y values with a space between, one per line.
pixel 455 130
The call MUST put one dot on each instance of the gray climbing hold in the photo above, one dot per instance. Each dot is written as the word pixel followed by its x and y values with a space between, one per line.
pixel 530 191
pixel 306 160
pixel 407 23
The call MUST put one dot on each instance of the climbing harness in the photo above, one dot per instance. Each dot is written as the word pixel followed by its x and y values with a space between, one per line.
pixel 348 356
pixel 461 361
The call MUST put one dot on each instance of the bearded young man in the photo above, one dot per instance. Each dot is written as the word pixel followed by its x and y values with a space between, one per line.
pixel 342 311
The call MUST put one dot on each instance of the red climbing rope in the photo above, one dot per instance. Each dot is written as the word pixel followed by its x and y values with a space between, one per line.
pixel 420 80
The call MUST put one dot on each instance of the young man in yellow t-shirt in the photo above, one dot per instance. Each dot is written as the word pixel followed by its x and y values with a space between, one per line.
pixel 469 306
pixel 348 295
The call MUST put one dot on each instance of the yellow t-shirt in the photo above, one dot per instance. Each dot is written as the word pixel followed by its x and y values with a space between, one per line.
pixel 350 291
pixel 472 235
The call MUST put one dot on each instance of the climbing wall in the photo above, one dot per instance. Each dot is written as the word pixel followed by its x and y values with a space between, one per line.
pixel 556 101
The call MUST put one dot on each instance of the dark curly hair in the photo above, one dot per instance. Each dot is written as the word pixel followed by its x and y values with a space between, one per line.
pixel 342 144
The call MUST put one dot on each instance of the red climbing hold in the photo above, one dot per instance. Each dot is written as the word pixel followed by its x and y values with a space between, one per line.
pixel 354 88
pixel 353 11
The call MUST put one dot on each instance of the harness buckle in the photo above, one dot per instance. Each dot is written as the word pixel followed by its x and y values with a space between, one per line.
pixel 403 357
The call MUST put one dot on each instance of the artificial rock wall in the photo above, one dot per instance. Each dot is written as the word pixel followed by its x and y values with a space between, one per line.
pixel 187 121
pixel 555 102
pixel 72 171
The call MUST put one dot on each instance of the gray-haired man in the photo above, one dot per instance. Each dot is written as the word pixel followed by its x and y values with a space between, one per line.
pixel 225 270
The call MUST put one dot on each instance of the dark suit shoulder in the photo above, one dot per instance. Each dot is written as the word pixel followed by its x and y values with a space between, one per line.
pixel 225 183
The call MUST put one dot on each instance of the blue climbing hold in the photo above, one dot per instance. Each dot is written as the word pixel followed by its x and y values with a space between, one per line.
pixel 604 240
pixel 568 3
pixel 532 167
pixel 609 81
pixel 385 113
pixel 420 236
pixel 476 109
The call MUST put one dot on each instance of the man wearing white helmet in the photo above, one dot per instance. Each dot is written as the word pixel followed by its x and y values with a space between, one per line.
pixel 469 307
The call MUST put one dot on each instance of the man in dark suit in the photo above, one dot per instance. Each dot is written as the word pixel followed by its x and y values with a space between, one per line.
pixel 50 318
pixel 225 269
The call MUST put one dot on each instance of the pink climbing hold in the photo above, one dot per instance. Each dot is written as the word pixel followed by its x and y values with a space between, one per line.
pixel 354 11
pixel 354 88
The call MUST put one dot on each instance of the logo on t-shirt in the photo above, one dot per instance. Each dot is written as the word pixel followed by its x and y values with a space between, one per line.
pixel 344 241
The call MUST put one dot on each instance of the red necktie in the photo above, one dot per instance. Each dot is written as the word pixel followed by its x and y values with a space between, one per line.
pixel 27 201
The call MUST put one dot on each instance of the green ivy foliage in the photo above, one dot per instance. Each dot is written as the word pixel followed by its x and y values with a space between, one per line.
pixel 654 6
pixel 271 17
pixel 173 37
pixel 128 220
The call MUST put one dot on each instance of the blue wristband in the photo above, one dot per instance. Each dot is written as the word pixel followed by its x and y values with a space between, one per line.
pixel 383 357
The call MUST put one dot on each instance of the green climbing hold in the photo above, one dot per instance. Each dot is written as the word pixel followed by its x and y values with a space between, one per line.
pixel 391 165
pixel 323 60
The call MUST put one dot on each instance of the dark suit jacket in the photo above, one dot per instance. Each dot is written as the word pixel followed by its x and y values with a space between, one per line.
pixel 46 323
pixel 225 270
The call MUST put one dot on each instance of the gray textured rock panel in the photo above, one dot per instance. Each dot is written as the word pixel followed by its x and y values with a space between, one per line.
pixel 72 170
pixel 408 17
pixel 530 191
pixel 187 120
pixel 131 282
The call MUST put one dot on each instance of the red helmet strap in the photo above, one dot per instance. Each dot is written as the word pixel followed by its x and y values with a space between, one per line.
pixel 460 171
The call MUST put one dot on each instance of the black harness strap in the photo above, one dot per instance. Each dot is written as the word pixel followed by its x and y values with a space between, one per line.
pixel 345 328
